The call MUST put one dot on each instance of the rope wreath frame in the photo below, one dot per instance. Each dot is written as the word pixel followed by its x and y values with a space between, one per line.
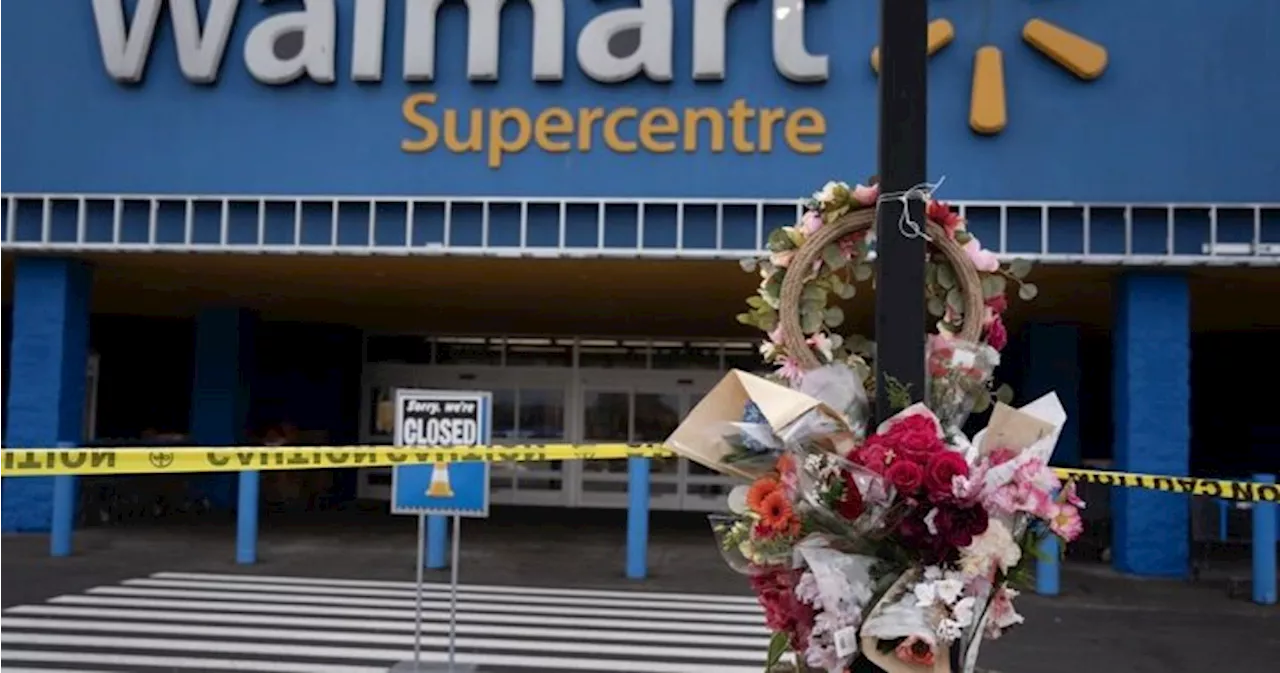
pixel 799 272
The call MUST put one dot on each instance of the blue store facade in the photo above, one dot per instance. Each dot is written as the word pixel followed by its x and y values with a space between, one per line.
pixel 235 214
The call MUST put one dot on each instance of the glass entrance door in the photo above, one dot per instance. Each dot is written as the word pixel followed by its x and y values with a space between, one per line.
pixel 640 407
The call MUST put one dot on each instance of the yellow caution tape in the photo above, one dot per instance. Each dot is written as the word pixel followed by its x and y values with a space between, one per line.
pixel 1209 488
pixel 182 459
pixel 189 459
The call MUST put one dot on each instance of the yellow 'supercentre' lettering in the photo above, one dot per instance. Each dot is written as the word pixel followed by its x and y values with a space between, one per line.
pixel 498 132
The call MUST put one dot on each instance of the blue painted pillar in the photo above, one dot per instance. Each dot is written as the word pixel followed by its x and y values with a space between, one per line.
pixel 49 354
pixel 1151 394
pixel 637 518
pixel 1264 546
pixel 220 411
pixel 437 542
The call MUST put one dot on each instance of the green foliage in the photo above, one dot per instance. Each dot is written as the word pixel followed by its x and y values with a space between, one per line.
pixel 899 393
pixel 1019 268
pixel 1028 291
pixel 778 645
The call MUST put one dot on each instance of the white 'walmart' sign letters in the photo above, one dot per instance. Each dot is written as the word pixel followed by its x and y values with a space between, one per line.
pixel 289 45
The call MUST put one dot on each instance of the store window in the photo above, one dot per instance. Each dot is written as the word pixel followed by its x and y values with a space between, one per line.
pixel 609 353
pixel 527 352
pixel 413 350
pixel 541 415
pixel 504 416
pixel 468 351
pixel 685 355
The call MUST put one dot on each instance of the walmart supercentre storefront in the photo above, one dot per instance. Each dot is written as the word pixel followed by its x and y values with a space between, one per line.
pixel 234 215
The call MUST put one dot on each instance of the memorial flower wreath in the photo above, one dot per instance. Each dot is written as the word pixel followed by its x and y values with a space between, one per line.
pixel 889 548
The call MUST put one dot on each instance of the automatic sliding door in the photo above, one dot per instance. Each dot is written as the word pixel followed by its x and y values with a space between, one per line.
pixel 657 415
pixel 606 419
pixel 627 416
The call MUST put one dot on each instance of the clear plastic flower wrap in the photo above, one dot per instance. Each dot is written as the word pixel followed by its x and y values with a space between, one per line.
pixel 838 495
pixel 959 375
pixel 841 389
pixel 742 549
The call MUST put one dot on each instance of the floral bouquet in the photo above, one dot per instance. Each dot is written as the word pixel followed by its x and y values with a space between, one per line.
pixel 896 547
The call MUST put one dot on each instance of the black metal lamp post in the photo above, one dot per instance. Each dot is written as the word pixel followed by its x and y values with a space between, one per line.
pixel 900 301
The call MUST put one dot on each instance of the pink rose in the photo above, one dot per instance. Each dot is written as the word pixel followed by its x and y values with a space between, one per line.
pixel 984 260
pixel 915 652
pixel 810 222
pixel 865 195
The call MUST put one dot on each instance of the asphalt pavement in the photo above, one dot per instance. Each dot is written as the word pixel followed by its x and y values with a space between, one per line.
pixel 324 573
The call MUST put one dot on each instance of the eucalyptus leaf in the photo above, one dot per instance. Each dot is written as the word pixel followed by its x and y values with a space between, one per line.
pixel 955 300
pixel 746 318
pixel 963 236
pixel 836 284
pixel 861 272
pixel 833 316
pixel 810 321
pixel 814 292
pixel 1004 393
pixel 1019 268
pixel 981 401
pixel 847 291
pixel 769 322
pixel 831 256
pixel 1028 291
pixel 993 285
pixel 772 288
pixel 779 241
pixel 749 264
pixel 936 307
pixel 756 301
pixel 946 276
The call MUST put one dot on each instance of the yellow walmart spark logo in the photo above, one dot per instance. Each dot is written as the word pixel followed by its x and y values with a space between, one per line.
pixel 988 111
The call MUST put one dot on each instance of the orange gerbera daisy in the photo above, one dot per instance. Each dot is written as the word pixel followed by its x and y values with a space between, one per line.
pixel 763 488
pixel 776 515
pixel 786 464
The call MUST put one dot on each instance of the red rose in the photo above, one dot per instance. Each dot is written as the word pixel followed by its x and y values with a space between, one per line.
pixel 914 438
pixel 851 505
pixel 938 473
pixel 997 335
pixel 905 475
pixel 997 303
pixel 873 455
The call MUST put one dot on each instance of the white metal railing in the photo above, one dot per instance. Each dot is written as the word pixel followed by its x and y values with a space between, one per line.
pixel 1060 232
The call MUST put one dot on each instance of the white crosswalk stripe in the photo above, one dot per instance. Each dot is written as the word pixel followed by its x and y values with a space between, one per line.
pixel 221 622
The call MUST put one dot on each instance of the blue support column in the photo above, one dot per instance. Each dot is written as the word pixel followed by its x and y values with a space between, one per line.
pixel 437 542
pixel 1151 395
pixel 1048 566
pixel 637 518
pixel 1264 546
pixel 48 357
pixel 220 411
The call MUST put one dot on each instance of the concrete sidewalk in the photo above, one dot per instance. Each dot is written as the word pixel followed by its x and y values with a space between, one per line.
pixel 1102 622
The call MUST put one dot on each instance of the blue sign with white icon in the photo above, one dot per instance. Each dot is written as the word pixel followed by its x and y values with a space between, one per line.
pixel 436 418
